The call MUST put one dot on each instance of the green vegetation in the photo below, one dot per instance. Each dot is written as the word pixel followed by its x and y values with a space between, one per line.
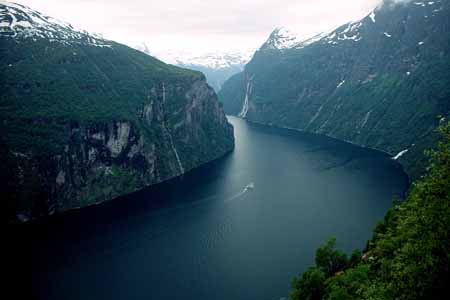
pixel 408 256
pixel 45 85
pixel 64 108
pixel 377 92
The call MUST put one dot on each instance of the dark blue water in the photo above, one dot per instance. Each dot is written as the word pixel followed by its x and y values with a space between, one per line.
pixel 204 236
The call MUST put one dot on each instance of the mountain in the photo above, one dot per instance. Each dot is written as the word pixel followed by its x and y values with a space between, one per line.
pixel 283 38
pixel 381 82
pixel 86 119
pixel 143 48
pixel 217 66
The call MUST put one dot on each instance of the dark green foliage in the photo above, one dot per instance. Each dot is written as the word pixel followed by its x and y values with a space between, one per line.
pixel 83 123
pixel 329 259
pixel 310 286
pixel 355 258
pixel 409 255
pixel 380 92
pixel 232 94
pixel 349 285
pixel 52 81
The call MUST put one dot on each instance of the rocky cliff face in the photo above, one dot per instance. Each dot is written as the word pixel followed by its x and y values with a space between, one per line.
pixel 381 82
pixel 102 160
pixel 85 120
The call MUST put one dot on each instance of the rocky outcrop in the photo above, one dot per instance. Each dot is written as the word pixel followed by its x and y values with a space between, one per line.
pixel 103 160
pixel 85 120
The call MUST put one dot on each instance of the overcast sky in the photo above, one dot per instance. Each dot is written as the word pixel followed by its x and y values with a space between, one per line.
pixel 201 25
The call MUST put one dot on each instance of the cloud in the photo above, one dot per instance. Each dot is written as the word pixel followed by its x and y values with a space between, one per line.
pixel 199 23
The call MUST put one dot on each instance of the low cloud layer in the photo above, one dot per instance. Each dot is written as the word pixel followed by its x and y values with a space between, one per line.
pixel 199 24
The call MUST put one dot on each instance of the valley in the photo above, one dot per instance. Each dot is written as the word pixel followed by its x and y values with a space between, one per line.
pixel 380 82
pixel 207 234
pixel 192 166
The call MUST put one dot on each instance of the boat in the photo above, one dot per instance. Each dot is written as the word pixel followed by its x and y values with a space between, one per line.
pixel 249 186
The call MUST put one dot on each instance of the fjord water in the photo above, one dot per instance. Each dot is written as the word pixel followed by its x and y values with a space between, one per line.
pixel 206 236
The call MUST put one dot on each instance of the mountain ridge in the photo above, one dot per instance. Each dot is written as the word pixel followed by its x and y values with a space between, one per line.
pixel 85 120
pixel 379 82
pixel 216 66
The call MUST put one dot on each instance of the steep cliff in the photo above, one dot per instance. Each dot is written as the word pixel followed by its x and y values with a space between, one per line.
pixel 381 82
pixel 85 119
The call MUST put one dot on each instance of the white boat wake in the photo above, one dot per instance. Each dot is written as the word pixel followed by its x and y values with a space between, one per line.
pixel 248 187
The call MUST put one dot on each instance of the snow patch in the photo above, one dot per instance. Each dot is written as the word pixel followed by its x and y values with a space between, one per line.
pixel 310 41
pixel 20 22
pixel 351 32
pixel 213 60
pixel 282 38
pixel 372 17
pixel 400 154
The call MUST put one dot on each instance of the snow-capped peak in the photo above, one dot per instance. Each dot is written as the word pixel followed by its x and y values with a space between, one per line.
pixel 21 22
pixel 212 60
pixel 282 38
pixel 216 60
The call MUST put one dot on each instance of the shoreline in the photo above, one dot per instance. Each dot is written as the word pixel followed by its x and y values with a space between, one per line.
pixel 391 156
pixel 25 220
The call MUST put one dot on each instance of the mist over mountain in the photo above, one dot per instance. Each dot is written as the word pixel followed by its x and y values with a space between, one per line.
pixel 217 66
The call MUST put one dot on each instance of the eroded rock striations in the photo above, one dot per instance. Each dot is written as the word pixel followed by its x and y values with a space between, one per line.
pixel 86 119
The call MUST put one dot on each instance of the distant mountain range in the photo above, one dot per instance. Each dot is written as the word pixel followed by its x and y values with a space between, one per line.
pixel 85 119
pixel 381 82
pixel 217 66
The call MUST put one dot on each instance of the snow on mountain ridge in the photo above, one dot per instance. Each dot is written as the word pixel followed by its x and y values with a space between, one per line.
pixel 19 21
pixel 213 60
pixel 352 29
pixel 282 38
pixel 216 60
